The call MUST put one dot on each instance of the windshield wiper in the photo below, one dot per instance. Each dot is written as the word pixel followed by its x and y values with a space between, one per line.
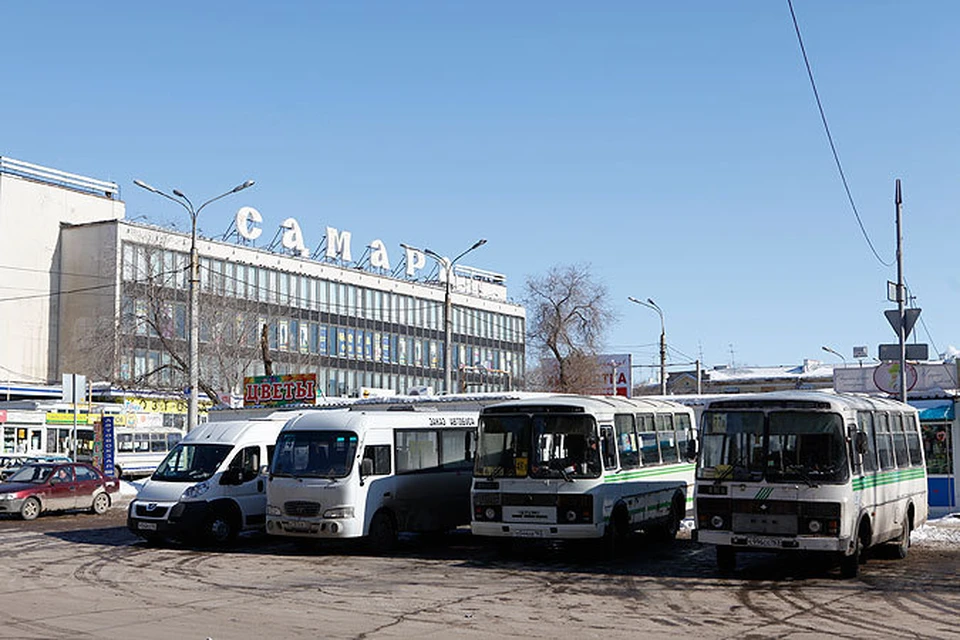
pixel 802 472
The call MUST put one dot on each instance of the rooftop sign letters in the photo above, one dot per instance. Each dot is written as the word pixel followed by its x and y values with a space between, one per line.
pixel 337 247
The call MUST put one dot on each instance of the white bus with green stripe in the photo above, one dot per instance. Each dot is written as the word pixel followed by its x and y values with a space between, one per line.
pixel 580 467
pixel 809 471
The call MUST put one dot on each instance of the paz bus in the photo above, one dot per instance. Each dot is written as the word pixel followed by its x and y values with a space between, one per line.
pixel 578 467
pixel 809 471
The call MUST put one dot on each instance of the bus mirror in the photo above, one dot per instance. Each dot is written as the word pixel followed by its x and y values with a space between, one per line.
pixel 860 442
pixel 264 470
pixel 691 449
pixel 366 467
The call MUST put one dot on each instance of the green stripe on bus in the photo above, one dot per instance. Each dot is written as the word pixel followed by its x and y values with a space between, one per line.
pixel 888 477
pixel 643 474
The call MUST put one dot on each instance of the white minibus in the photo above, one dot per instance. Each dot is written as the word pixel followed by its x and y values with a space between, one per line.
pixel 371 471
pixel 209 487
pixel 579 467
pixel 809 471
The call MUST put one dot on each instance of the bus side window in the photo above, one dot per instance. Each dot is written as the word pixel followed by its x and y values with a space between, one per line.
pixel 667 436
pixel 627 441
pixel 270 449
pixel 865 422
pixel 884 444
pixel 899 441
pixel 913 441
pixel 379 457
pixel 684 436
pixel 608 447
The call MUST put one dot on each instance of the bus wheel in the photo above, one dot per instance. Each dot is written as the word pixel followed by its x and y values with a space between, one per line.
pixel 850 564
pixel 903 542
pixel 382 538
pixel 726 558
pixel 671 527
pixel 618 528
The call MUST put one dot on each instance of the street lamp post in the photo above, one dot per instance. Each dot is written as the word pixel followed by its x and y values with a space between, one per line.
pixel 836 353
pixel 650 304
pixel 183 201
pixel 447 265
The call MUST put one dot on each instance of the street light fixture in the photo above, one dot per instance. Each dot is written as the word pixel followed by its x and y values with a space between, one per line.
pixel 836 353
pixel 184 201
pixel 447 265
pixel 650 304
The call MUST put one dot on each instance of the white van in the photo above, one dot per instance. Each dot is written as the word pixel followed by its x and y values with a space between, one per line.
pixel 209 487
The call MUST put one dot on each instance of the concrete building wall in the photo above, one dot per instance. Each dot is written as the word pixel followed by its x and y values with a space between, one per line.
pixel 31 212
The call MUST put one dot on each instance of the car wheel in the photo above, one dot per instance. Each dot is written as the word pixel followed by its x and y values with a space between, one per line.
pixel 101 502
pixel 30 509
pixel 220 528
pixel 382 538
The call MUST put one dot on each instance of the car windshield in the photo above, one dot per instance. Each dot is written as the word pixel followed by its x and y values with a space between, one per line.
pixel 315 454
pixel 34 473
pixel 503 447
pixel 191 462
pixel 781 446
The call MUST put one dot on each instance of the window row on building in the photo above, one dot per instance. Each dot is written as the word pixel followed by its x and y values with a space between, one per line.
pixel 146 264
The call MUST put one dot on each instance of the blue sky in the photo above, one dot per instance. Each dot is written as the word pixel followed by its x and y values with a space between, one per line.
pixel 676 148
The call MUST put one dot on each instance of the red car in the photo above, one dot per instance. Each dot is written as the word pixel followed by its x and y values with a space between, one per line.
pixel 45 486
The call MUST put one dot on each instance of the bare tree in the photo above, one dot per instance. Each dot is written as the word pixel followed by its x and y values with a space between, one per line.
pixel 569 313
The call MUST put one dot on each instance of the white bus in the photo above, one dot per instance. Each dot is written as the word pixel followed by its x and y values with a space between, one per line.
pixel 569 467
pixel 809 471
pixel 371 471
pixel 139 450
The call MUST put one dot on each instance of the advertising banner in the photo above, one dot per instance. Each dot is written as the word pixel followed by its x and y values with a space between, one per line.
pixel 275 391
pixel 616 374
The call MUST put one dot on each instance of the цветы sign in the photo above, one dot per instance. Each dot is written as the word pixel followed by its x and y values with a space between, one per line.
pixel 280 390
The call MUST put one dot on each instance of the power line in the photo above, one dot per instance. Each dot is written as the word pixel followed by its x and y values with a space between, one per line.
pixel 833 147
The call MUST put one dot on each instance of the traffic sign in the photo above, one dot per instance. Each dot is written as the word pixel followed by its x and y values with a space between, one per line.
pixel 891 352
pixel 909 319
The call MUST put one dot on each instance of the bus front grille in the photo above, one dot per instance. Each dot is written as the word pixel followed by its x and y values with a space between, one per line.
pixel 301 508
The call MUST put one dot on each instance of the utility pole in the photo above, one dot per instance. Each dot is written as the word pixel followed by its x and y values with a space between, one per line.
pixel 901 295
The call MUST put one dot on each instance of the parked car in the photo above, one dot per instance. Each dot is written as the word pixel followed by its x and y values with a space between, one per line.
pixel 47 486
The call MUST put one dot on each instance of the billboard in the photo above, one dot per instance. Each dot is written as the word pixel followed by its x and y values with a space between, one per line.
pixel 616 374
pixel 276 391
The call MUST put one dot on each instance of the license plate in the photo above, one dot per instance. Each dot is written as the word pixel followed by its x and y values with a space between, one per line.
pixel 147 526
pixel 528 533
pixel 297 525
pixel 763 542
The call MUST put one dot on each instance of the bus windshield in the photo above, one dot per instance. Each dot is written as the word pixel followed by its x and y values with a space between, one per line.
pixel 315 454
pixel 780 446
pixel 504 446
pixel 566 447
pixel 563 446
pixel 191 462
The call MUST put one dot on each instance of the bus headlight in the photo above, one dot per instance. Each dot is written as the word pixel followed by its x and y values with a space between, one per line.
pixel 571 516
pixel 273 510
pixel 716 522
pixel 814 526
pixel 339 512
pixel 490 513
